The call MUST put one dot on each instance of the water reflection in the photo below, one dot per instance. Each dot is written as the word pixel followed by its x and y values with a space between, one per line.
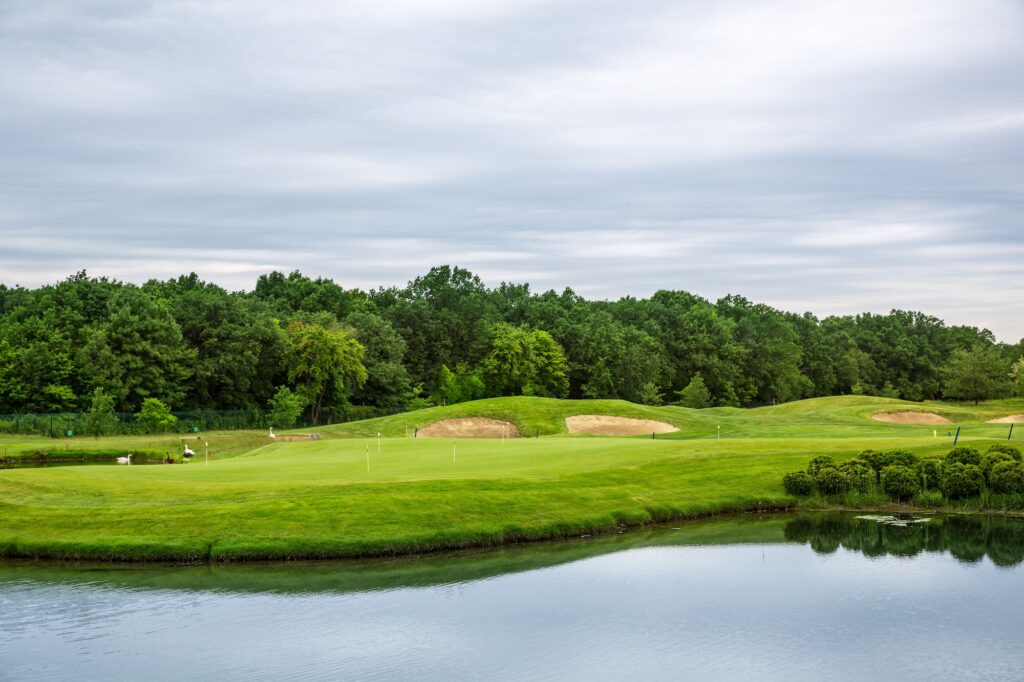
pixel 968 538
pixel 738 598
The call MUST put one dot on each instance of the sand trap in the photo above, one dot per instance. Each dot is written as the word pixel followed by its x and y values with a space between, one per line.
pixel 470 427
pixel 1011 419
pixel 910 418
pixel 601 425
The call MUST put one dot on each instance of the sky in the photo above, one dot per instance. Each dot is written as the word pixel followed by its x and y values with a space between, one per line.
pixel 816 155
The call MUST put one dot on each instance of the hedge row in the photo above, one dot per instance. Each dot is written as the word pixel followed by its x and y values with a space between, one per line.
pixel 963 473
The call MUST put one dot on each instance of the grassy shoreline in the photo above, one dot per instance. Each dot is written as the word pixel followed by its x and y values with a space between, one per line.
pixel 195 554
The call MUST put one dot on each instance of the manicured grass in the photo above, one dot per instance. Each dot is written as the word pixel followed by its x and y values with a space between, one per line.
pixel 316 499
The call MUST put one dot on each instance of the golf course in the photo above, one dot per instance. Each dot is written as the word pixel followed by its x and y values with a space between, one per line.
pixel 380 487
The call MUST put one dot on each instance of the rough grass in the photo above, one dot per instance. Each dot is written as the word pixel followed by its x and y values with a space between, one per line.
pixel 316 499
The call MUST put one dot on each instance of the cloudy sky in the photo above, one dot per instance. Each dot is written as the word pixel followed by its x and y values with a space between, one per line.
pixel 820 155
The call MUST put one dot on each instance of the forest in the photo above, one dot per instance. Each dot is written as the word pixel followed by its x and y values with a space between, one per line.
pixel 315 350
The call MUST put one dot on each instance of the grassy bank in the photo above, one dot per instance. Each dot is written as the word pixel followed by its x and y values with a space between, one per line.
pixel 316 499
pixel 39 448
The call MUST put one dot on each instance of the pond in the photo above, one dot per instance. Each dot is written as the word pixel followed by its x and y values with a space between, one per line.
pixel 770 597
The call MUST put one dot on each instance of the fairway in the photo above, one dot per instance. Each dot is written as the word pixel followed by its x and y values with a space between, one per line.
pixel 348 495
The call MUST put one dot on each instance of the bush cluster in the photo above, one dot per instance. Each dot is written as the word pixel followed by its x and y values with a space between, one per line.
pixel 900 482
pixel 963 473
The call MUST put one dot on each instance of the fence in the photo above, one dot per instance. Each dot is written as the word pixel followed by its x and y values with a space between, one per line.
pixel 64 424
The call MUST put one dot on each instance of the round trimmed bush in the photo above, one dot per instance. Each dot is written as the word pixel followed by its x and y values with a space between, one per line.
pixel 875 459
pixel 991 459
pixel 860 474
pixel 929 472
pixel 904 458
pixel 963 455
pixel 818 463
pixel 832 481
pixel 1007 478
pixel 900 482
pixel 798 483
pixel 1005 447
pixel 962 480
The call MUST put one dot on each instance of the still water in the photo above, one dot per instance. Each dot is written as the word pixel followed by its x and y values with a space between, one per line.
pixel 778 597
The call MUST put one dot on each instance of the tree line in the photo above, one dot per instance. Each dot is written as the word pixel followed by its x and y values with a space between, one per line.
pixel 307 346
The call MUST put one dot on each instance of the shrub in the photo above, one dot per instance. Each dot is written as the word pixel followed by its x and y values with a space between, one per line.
pixel 963 455
pixel 285 408
pixel 798 483
pixel 991 459
pixel 929 472
pixel 1007 448
pixel 818 463
pixel 899 482
pixel 1007 478
pixel 962 480
pixel 860 474
pixel 904 458
pixel 100 419
pixel 155 416
pixel 832 481
pixel 875 459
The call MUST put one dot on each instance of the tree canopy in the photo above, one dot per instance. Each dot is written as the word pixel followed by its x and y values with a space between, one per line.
pixel 447 337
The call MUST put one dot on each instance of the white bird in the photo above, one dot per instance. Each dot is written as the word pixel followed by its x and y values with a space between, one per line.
pixel 272 432
pixel 125 460
pixel 188 452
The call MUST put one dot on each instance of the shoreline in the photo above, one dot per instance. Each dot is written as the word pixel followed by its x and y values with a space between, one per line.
pixel 182 552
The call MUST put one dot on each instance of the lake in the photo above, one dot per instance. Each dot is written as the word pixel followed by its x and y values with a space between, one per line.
pixel 796 597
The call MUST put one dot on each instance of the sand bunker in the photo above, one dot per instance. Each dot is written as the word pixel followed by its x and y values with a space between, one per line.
pixel 1011 419
pixel 910 418
pixel 602 425
pixel 470 427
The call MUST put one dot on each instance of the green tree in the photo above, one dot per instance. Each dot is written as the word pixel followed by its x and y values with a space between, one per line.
pixel 236 347
pixel 326 364
pixel 1017 376
pixel 696 394
pixel 387 380
pixel 445 388
pixel 976 374
pixel 136 353
pixel 155 416
pixel 285 408
pixel 100 418
pixel 649 394
pixel 523 362
pixel 550 366
pixel 36 371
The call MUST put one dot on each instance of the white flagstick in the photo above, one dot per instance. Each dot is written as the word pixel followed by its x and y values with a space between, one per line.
pixel 207 453
pixel 367 458
pixel 453 452
pixel 378 443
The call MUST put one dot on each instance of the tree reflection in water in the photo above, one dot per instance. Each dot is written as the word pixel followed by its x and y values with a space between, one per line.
pixel 968 538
